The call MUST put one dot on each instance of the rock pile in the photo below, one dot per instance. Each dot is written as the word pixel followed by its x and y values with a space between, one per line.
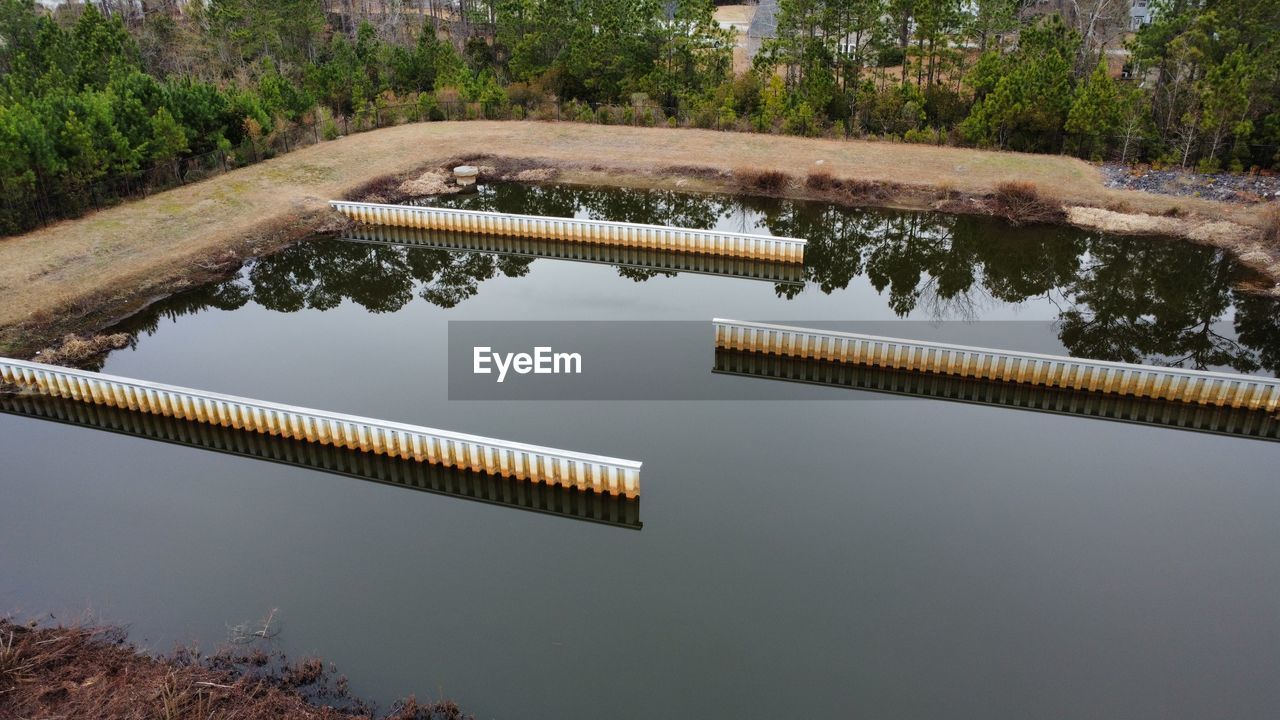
pixel 1226 187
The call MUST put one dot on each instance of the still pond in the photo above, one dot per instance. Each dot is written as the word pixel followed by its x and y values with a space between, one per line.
pixel 790 557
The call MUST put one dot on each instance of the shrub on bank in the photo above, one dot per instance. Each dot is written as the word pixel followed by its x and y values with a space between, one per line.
pixel 766 182
pixel 1020 202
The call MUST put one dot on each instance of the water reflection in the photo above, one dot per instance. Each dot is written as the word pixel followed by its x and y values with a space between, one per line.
pixel 1123 299
pixel 1185 416
pixel 637 264
pixel 508 492
pixel 1120 298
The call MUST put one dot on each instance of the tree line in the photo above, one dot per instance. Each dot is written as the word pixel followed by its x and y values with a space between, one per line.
pixel 1200 85
pixel 111 98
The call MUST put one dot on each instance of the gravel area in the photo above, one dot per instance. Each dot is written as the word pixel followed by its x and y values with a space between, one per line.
pixel 1223 187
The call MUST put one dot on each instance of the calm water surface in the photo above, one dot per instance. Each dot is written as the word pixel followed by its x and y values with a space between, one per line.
pixel 881 559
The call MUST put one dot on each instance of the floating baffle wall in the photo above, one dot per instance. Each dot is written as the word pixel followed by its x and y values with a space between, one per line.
pixel 1160 383
pixel 601 232
pixel 469 452
pixel 633 257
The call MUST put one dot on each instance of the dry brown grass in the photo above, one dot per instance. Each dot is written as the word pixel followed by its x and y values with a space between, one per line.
pixel 701 172
pixel 78 351
pixel 91 673
pixel 1271 224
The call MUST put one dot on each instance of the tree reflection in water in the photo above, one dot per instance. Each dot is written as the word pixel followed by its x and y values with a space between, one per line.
pixel 1118 298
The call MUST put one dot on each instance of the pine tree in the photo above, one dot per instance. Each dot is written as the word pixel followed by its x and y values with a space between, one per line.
pixel 694 55
pixel 1030 91
pixel 1095 113
pixel 774 107
pixel 168 142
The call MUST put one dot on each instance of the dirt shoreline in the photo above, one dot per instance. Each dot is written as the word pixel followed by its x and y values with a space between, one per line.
pixel 93 672
pixel 82 275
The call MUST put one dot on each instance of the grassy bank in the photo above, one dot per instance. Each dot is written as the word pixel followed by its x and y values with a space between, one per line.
pixel 80 275
pixel 92 672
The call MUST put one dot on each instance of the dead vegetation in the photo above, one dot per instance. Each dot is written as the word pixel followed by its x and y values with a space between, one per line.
pixel 93 673
pixel 514 169
pixel 436 181
pixel 535 175
pixel 822 181
pixel 382 189
pixel 699 172
pixel 851 191
pixel 866 191
pixel 81 351
pixel 762 182
pixel 1021 203
pixel 495 167
pixel 1271 225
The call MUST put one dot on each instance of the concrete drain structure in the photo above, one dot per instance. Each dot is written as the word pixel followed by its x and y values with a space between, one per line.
pixel 1245 392
pixel 468 452
pixel 600 232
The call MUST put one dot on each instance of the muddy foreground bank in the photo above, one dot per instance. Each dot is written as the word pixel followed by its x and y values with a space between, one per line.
pixel 93 673
pixel 82 275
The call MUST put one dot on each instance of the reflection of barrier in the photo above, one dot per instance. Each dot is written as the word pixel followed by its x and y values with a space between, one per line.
pixel 441 447
pixel 601 232
pixel 1143 381
pixel 1164 413
pixel 508 492
pixel 631 257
